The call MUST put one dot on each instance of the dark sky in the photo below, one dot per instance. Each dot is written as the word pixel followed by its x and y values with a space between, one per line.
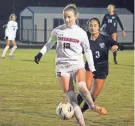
pixel 18 5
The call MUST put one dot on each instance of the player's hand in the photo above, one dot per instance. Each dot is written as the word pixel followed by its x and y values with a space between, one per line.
pixel 124 33
pixel 114 48
pixel 121 47
pixel 38 57
pixel 94 72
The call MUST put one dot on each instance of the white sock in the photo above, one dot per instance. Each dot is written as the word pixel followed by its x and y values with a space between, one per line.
pixel 4 51
pixel 12 50
pixel 84 92
pixel 78 113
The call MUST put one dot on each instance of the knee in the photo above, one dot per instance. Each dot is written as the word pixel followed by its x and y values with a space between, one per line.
pixel 8 44
pixel 82 88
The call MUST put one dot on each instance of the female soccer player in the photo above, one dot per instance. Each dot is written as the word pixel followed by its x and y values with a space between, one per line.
pixel 10 35
pixel 71 39
pixel 110 21
pixel 99 45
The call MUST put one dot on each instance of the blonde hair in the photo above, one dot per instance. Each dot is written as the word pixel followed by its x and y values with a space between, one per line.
pixel 111 5
pixel 11 15
pixel 71 7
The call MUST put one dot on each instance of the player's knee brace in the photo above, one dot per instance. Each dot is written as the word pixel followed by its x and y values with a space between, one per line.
pixel 84 92
pixel 81 86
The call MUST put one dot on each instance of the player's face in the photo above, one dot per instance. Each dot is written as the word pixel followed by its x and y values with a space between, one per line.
pixel 93 27
pixel 111 9
pixel 14 18
pixel 69 18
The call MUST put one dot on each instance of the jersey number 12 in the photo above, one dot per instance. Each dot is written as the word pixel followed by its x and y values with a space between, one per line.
pixel 66 45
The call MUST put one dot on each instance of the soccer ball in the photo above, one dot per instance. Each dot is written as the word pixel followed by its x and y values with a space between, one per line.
pixel 65 111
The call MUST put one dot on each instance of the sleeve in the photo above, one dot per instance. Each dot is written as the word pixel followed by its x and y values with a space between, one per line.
pixel 16 25
pixel 103 21
pixel 119 21
pixel 88 52
pixel 8 24
pixel 52 40
pixel 110 41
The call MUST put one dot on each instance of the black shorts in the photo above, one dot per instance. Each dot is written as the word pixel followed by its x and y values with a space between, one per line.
pixel 111 32
pixel 101 70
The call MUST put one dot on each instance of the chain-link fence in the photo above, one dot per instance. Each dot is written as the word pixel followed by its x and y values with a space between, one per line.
pixel 41 36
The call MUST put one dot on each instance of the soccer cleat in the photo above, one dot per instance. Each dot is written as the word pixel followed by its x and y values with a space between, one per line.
pixel 115 62
pixel 11 57
pixel 2 58
pixel 79 99
pixel 99 110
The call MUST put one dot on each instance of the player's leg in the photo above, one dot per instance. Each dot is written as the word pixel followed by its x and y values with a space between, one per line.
pixel 6 48
pixel 114 36
pixel 97 87
pixel 13 48
pixel 66 83
pixel 89 80
pixel 80 79
pixel 99 79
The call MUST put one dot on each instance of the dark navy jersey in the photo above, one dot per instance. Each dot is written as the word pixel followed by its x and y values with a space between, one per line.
pixel 111 23
pixel 100 48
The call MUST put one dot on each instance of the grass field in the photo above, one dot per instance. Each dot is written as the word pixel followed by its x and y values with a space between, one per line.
pixel 29 93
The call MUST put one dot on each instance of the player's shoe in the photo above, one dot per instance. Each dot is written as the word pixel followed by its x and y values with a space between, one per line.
pixel 115 62
pixel 2 57
pixel 11 57
pixel 100 110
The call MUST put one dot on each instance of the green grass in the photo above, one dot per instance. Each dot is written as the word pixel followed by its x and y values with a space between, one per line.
pixel 29 93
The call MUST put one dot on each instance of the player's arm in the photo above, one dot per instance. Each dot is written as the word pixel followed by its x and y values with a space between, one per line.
pixel 16 25
pixel 88 53
pixel 111 43
pixel 121 25
pixel 9 25
pixel 119 21
pixel 103 21
pixel 52 40
pixel 4 25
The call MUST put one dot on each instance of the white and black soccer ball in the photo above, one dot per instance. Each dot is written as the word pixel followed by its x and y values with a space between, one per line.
pixel 65 111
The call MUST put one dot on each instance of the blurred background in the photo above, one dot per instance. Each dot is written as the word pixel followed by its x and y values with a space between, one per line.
pixel 31 32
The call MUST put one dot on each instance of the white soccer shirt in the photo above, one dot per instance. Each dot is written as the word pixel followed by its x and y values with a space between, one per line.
pixel 70 44
pixel 11 29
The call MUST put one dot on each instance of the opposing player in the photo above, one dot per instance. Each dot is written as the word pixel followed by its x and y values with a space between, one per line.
pixel 10 35
pixel 99 45
pixel 110 20
pixel 71 39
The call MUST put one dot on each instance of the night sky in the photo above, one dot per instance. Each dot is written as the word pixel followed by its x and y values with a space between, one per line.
pixel 9 6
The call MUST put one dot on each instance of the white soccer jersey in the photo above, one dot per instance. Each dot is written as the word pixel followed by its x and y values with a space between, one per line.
pixel 11 29
pixel 70 44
